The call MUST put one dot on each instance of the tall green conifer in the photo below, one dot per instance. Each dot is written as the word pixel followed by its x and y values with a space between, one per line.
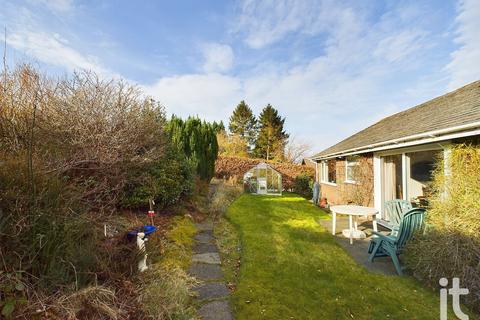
pixel 198 140
pixel 271 140
pixel 243 123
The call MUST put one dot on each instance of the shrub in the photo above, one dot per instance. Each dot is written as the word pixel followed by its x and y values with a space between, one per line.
pixel 86 131
pixel 94 302
pixel 451 246
pixel 166 293
pixel 164 181
pixel 303 186
pixel 198 141
pixel 360 192
pixel 48 238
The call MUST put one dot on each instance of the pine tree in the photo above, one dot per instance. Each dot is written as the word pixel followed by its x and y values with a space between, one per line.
pixel 271 139
pixel 243 123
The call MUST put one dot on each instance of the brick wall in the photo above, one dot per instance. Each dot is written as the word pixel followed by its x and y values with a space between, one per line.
pixel 344 192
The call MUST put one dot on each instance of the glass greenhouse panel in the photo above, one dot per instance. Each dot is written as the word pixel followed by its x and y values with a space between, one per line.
pixel 263 179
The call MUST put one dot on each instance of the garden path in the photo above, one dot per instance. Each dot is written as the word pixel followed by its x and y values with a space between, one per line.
pixel 212 293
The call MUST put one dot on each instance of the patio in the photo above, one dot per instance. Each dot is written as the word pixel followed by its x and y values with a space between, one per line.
pixel 359 249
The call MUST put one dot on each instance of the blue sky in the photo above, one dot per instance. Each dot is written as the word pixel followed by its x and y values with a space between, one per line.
pixel 330 67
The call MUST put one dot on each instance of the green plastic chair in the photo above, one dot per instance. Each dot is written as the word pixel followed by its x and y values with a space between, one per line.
pixel 392 245
pixel 394 210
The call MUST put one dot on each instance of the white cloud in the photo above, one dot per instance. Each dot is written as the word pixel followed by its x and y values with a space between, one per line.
pixel 210 96
pixel 218 57
pixel 360 72
pixel 399 46
pixel 29 34
pixel 465 64
pixel 52 49
pixel 60 6
pixel 266 22
pixel 326 98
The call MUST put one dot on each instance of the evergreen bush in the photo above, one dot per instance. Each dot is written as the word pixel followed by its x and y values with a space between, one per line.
pixel 196 139
pixel 303 186
pixel 165 181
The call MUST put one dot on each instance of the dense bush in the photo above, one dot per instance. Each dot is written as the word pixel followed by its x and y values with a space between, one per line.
pixel 303 186
pixel 44 235
pixel 451 246
pixel 196 139
pixel 165 181
pixel 88 132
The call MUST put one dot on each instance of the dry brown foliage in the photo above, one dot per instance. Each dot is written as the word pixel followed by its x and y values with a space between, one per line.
pixel 451 245
pixel 227 167
pixel 68 147
pixel 88 130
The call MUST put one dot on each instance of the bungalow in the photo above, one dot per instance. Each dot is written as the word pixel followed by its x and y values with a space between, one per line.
pixel 394 158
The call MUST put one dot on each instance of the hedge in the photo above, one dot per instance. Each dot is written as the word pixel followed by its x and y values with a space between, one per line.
pixel 235 167
pixel 451 245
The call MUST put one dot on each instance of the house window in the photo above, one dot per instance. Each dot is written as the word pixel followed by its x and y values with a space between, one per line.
pixel 329 171
pixel 332 171
pixel 420 175
pixel 351 164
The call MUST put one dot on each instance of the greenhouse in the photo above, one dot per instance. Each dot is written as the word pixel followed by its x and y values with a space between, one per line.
pixel 263 179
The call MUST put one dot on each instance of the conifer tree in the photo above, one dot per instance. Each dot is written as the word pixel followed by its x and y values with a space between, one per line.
pixel 271 139
pixel 243 123
pixel 198 141
pixel 219 127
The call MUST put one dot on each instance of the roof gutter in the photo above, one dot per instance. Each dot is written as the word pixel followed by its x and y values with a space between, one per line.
pixel 430 136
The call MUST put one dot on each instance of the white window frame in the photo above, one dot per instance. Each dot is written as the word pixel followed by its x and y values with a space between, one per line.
pixel 324 173
pixel 378 165
pixel 348 163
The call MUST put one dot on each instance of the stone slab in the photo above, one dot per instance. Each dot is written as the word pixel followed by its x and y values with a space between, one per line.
pixel 204 237
pixel 210 257
pixel 211 290
pixel 204 271
pixel 216 310
pixel 204 247
pixel 204 226
pixel 359 249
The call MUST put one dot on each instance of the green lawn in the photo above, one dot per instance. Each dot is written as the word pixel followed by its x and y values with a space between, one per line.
pixel 291 268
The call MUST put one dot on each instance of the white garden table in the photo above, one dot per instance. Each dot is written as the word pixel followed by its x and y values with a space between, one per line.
pixel 353 212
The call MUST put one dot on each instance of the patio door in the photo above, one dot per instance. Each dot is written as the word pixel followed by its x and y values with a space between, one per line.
pixel 405 174
pixel 392 177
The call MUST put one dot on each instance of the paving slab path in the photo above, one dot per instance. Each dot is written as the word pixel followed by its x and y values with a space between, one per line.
pixel 212 292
